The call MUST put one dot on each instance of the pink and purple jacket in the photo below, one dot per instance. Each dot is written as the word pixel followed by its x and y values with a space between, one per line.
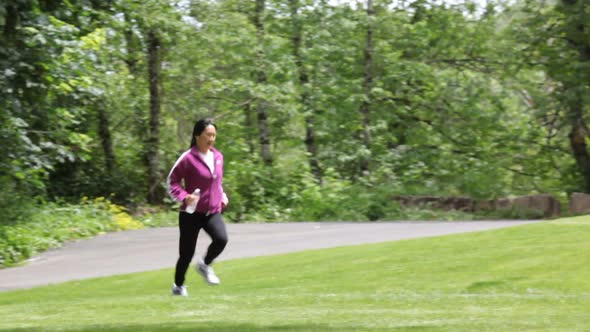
pixel 191 168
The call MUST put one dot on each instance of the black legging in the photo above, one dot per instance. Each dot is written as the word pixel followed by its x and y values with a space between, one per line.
pixel 190 225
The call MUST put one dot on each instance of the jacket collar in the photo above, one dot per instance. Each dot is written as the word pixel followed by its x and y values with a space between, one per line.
pixel 195 152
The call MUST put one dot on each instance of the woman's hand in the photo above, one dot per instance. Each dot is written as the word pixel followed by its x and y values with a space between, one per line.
pixel 188 200
pixel 224 201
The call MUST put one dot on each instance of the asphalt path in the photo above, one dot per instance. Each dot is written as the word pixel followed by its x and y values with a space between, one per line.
pixel 157 248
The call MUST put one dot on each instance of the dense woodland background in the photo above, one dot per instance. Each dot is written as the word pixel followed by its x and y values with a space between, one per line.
pixel 325 109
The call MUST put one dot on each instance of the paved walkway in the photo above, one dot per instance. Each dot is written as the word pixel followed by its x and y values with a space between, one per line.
pixel 151 249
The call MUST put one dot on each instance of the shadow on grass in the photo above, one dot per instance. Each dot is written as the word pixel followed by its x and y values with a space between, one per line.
pixel 216 327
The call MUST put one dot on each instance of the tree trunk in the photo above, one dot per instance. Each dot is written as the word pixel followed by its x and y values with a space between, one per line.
pixel 367 84
pixel 310 141
pixel 131 45
pixel 263 129
pixel 155 193
pixel 577 35
pixel 264 134
pixel 105 139
pixel 11 20
pixel 577 137
pixel 49 5
pixel 134 51
pixel 248 125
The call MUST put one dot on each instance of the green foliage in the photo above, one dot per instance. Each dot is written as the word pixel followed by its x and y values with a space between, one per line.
pixel 16 203
pixel 52 224
pixel 556 38
pixel 463 101
pixel 159 218
pixel 47 87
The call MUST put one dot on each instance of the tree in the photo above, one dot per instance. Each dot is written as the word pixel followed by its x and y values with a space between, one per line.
pixel 155 193
pixel 365 110
pixel 576 32
pixel 261 79
pixel 156 22
pixel 305 86
pixel 557 42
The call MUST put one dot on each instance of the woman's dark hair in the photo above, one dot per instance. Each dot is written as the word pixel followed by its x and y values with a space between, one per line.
pixel 199 127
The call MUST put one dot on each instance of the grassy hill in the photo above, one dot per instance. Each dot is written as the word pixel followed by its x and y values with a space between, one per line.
pixel 534 277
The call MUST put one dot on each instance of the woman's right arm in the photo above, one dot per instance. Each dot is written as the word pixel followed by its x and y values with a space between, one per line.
pixel 177 173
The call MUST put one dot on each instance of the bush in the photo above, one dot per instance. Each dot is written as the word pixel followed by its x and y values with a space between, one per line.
pixel 15 201
pixel 162 217
pixel 293 197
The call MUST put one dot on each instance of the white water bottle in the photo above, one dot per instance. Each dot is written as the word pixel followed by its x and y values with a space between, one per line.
pixel 192 207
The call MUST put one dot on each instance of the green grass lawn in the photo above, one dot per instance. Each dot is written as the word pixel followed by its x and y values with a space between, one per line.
pixel 527 278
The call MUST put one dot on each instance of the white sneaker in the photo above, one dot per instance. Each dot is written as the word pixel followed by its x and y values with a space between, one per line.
pixel 207 272
pixel 179 290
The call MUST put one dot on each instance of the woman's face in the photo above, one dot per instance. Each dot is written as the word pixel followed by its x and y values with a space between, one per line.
pixel 207 138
